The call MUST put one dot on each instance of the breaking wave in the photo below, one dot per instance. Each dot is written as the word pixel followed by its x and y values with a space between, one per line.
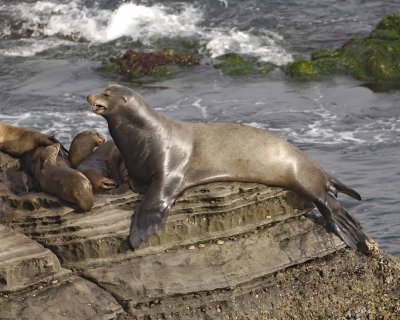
pixel 74 21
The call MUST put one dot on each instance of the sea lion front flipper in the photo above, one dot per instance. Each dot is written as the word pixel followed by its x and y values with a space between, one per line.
pixel 154 209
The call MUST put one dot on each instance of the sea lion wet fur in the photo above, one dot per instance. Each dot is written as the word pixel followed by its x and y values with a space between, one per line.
pixel 164 157
pixel 16 141
pixel 82 146
pixel 66 183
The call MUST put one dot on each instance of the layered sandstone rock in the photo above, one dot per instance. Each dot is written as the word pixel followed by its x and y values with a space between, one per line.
pixel 228 250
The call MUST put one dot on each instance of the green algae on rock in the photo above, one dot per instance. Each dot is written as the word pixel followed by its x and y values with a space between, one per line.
pixel 233 64
pixel 374 58
pixel 135 65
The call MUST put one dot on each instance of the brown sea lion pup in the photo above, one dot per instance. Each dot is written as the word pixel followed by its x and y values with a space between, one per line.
pixel 165 157
pixel 104 168
pixel 66 183
pixel 82 146
pixel 16 141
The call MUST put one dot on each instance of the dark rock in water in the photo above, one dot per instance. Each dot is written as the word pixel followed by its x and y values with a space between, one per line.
pixel 227 250
pixel 375 58
pixel 233 64
pixel 151 65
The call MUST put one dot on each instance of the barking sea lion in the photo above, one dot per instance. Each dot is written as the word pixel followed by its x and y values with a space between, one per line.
pixel 165 157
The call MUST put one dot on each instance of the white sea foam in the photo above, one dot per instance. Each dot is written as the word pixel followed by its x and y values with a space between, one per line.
pixel 64 126
pixel 30 47
pixel 263 46
pixel 141 23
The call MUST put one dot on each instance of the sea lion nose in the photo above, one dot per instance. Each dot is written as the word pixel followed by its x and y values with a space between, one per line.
pixel 89 98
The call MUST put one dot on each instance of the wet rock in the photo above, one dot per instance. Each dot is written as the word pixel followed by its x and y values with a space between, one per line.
pixel 233 64
pixel 375 58
pixel 152 65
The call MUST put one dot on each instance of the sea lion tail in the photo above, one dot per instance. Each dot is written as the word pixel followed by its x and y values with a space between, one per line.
pixel 347 227
pixel 336 185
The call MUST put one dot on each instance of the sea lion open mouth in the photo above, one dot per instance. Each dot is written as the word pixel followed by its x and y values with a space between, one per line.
pixel 96 107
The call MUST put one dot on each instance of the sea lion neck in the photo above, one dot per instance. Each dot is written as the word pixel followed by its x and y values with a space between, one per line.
pixel 137 115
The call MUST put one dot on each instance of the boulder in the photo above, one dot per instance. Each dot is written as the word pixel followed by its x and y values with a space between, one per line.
pixel 375 58
pixel 133 65
pixel 227 250
pixel 233 64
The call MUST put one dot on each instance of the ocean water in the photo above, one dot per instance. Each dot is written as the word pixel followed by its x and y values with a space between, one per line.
pixel 50 52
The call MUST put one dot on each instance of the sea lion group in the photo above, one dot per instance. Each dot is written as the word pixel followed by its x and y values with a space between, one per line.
pixel 89 166
pixel 161 157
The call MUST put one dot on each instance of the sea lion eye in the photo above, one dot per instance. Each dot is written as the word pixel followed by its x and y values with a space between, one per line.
pixel 124 98
pixel 106 94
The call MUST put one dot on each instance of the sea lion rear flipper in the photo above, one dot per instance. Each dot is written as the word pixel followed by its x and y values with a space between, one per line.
pixel 154 209
pixel 336 185
pixel 343 224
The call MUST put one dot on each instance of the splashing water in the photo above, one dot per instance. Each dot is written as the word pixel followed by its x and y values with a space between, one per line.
pixel 138 22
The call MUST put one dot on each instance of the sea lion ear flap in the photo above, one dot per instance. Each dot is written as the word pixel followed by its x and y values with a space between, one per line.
pixel 124 98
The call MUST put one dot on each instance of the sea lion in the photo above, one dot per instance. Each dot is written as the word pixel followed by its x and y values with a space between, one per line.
pixel 165 157
pixel 82 146
pixel 95 168
pixel 102 166
pixel 66 183
pixel 28 160
pixel 16 141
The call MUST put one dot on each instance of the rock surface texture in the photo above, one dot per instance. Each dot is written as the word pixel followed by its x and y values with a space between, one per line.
pixel 227 251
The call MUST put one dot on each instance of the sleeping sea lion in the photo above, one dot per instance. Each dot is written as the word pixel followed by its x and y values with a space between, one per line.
pixel 16 141
pixel 66 183
pixel 102 166
pixel 82 146
pixel 165 157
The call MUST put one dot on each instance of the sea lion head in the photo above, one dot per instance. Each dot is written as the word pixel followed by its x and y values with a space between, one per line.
pixel 111 99
pixel 48 156
pixel 121 100
pixel 82 146
pixel 45 157
pixel 91 135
